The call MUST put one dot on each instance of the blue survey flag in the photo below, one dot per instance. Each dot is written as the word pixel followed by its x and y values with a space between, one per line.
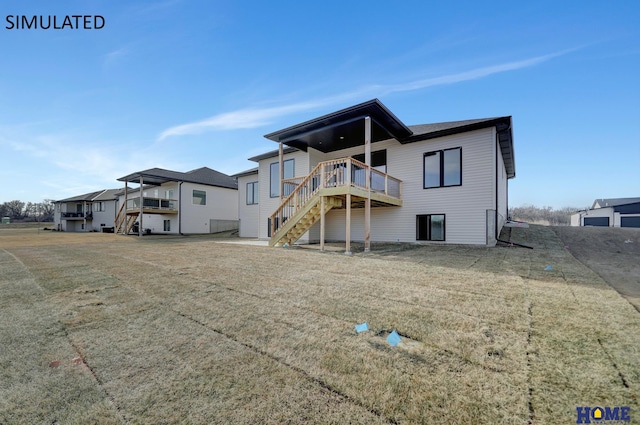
pixel 548 268
pixel 362 327
pixel 393 339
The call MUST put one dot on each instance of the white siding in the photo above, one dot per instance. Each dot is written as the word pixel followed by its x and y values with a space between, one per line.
pixel 268 205
pixel 222 204
pixel 464 206
pixel 502 207
pixel 249 214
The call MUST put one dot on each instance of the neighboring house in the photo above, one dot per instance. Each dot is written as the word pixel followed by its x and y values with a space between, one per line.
pixel 361 174
pixel 614 212
pixel 172 202
pixel 90 212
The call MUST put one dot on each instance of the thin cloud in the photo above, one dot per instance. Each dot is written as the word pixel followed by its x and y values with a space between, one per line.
pixel 257 117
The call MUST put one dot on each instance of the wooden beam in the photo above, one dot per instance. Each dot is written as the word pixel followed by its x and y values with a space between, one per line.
pixel 348 226
pixel 281 168
pixel 141 207
pixel 367 205
pixel 322 206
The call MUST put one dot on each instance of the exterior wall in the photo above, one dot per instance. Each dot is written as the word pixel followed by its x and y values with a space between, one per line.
pixel 268 204
pixel 576 219
pixel 465 207
pixel 249 215
pixel 106 217
pixel 222 204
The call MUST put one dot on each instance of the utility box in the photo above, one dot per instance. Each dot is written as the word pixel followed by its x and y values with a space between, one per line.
pixel 6 220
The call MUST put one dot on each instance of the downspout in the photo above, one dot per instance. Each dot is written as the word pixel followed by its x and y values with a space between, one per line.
pixel 180 208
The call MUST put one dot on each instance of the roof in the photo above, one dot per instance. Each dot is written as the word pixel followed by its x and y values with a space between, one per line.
pixel 614 202
pixel 87 197
pixel 246 172
pixel 204 175
pixel 108 195
pixel 343 129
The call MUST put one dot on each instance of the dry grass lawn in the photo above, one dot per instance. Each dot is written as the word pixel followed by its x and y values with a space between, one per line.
pixel 106 329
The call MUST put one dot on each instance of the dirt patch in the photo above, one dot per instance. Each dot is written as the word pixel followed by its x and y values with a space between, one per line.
pixel 613 253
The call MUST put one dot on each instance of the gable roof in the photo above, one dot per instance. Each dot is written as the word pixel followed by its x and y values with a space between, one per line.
pixel 613 202
pixel 204 175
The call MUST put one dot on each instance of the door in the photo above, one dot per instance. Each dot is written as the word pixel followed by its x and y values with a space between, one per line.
pixel 596 221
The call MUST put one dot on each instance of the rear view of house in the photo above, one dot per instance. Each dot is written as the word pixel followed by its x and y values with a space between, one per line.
pixel 171 202
pixel 361 174
pixel 91 212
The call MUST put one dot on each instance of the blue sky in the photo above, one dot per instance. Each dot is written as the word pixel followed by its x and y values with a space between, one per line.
pixel 181 84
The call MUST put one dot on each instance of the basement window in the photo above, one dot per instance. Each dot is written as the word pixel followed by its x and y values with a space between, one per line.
pixel 430 227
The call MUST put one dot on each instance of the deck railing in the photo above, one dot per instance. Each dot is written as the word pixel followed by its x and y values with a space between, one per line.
pixel 335 173
pixel 152 203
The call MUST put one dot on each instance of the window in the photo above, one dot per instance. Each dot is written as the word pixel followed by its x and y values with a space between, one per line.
pixel 167 225
pixel 274 178
pixel 252 193
pixel 199 197
pixel 98 206
pixel 430 227
pixel 168 194
pixel 443 168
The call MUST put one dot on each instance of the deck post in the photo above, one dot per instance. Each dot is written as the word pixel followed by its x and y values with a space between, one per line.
pixel 348 225
pixel 84 214
pixel 322 206
pixel 141 204
pixel 281 168
pixel 367 204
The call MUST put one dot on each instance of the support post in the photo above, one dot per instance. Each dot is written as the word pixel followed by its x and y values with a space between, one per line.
pixel 348 226
pixel 141 210
pixel 322 207
pixel 84 214
pixel 281 168
pixel 367 204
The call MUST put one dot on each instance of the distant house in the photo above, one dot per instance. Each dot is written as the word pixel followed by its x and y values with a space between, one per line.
pixel 361 174
pixel 90 212
pixel 172 202
pixel 613 212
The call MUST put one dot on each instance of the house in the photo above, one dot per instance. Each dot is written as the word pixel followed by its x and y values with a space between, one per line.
pixel 91 212
pixel 361 174
pixel 613 212
pixel 172 202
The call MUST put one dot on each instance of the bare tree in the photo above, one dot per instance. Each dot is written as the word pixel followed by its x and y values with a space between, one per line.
pixel 15 209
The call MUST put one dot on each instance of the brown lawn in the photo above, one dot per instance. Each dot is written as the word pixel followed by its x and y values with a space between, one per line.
pixel 101 328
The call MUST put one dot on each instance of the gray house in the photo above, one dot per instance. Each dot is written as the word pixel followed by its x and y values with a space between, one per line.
pixel 90 212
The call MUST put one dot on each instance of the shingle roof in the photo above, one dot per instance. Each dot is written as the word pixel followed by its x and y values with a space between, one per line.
pixel 614 202
pixel 202 175
pixel 85 197
pixel 272 154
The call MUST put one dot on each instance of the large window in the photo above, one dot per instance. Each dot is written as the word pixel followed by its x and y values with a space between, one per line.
pixel 252 193
pixel 443 168
pixel 274 181
pixel 430 227
pixel 199 197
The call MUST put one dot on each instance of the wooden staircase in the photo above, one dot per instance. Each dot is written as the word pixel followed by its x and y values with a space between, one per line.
pixel 329 181
pixel 124 222
pixel 303 220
